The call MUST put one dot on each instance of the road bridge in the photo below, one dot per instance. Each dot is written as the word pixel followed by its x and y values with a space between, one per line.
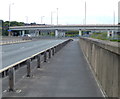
pixel 61 29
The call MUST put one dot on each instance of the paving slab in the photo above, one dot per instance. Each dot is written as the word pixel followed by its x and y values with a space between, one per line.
pixel 67 74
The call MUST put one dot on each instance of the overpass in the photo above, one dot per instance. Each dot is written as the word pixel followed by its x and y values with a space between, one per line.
pixel 60 30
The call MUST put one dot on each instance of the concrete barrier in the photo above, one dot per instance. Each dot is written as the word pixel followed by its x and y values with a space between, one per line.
pixel 104 59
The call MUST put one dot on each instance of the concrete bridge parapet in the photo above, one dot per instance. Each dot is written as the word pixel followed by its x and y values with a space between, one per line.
pixel 104 59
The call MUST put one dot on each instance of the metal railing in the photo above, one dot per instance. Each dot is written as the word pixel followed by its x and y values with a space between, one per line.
pixel 9 71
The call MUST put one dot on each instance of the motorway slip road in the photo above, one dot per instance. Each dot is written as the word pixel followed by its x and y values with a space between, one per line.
pixel 15 52
pixel 67 74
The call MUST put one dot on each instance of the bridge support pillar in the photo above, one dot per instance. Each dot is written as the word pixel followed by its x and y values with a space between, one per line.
pixel 80 33
pixel 63 34
pixel 36 33
pixel 23 32
pixel 56 33
pixel 20 33
pixel 110 33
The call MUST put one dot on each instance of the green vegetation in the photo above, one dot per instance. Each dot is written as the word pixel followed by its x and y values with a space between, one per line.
pixel 52 34
pixel 12 23
pixel 103 36
pixel 72 33
pixel 1 27
pixel 115 40
pixel 15 23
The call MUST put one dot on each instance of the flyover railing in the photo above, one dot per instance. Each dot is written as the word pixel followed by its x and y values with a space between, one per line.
pixel 46 54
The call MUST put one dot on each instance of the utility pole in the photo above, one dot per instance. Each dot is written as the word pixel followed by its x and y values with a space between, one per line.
pixel 51 17
pixel 113 17
pixel 57 16
pixel 10 17
pixel 26 19
pixel 42 18
pixel 85 12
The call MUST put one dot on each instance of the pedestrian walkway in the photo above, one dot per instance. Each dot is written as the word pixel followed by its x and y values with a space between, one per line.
pixel 67 74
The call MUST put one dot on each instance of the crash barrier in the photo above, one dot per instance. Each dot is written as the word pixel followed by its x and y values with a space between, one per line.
pixel 104 59
pixel 12 40
pixel 10 71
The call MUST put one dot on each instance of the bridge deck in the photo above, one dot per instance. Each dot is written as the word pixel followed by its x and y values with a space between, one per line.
pixel 67 74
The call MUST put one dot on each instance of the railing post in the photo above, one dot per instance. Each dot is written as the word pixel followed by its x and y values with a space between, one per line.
pixel 2 74
pixel 11 79
pixel 45 56
pixel 49 53
pixel 58 47
pixel 38 61
pixel 28 67
pixel 53 51
pixel 61 45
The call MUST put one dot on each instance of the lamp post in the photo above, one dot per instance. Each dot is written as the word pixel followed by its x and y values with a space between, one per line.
pixel 57 16
pixel 42 18
pixel 113 17
pixel 85 12
pixel 51 17
pixel 26 19
pixel 10 16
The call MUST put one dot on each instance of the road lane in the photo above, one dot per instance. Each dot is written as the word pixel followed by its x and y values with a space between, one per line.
pixel 16 52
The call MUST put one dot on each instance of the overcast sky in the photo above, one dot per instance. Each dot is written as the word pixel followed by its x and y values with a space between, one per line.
pixel 69 11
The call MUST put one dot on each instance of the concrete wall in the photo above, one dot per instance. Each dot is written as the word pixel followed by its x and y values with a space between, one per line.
pixel 104 58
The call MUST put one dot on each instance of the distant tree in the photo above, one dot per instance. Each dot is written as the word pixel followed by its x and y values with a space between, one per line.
pixel 12 23
pixel 33 23
pixel 1 27
pixel 5 28
pixel 15 23
pixel 21 24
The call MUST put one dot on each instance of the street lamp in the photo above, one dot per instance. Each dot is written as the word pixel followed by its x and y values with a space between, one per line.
pixel 51 17
pixel 10 15
pixel 57 16
pixel 26 19
pixel 42 18
pixel 85 12
pixel 113 17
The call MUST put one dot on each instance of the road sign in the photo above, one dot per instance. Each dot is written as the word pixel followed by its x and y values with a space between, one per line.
pixel 9 30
